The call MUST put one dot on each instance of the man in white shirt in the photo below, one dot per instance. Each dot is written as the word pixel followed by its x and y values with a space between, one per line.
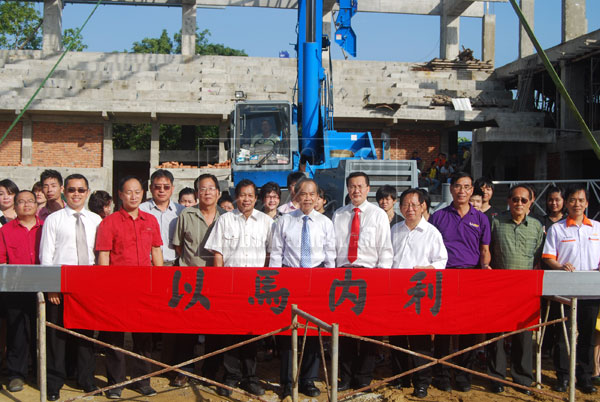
pixel 164 210
pixel 302 238
pixel 68 238
pixel 362 233
pixel 573 244
pixel 241 238
pixel 417 245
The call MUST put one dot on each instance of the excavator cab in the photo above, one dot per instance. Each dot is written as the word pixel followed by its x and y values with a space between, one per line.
pixel 263 141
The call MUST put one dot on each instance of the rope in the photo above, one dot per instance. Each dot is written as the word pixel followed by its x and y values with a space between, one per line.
pixel 14 123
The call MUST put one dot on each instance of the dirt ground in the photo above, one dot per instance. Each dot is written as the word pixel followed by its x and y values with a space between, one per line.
pixel 268 372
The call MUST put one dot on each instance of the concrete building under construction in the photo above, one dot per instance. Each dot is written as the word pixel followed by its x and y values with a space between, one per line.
pixel 69 125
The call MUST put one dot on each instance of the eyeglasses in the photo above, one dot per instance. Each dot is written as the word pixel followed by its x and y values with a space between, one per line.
pixel 271 197
pixel 517 199
pixel 165 187
pixel 24 202
pixel 409 206
pixel 80 190
pixel 203 190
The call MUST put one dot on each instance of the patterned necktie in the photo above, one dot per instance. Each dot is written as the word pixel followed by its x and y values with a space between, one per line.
pixel 81 241
pixel 305 244
pixel 354 235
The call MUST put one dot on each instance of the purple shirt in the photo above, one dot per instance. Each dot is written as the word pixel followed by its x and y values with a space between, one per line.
pixel 462 236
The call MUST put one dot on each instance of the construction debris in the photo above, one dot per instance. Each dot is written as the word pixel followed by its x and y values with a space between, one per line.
pixel 179 165
pixel 464 61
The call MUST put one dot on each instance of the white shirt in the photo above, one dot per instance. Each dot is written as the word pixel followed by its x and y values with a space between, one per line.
pixel 242 242
pixel 374 242
pixel 287 208
pixel 59 245
pixel 578 245
pixel 287 239
pixel 422 246
pixel 167 221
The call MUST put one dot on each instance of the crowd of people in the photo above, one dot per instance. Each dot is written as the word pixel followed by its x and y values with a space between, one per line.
pixel 51 225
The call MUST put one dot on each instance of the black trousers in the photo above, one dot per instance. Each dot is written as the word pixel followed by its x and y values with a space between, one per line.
pixel 403 362
pixel 115 361
pixel 521 358
pixel 357 361
pixel 587 311
pixel 309 369
pixel 57 352
pixel 239 363
pixel 20 332
pixel 442 348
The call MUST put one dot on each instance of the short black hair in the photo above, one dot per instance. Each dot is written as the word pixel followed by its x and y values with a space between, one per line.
pixel 126 179
pixel 575 188
pixel 225 197
pixel 511 191
pixel 206 176
pixel 322 194
pixel 23 191
pixel 160 173
pixel 484 181
pixel 10 186
pixel 426 197
pixel 555 189
pixel 77 176
pixel 98 200
pixel 460 175
pixel 477 191
pixel 51 174
pixel 186 191
pixel 386 191
pixel 410 191
pixel 242 184
pixel 269 188
pixel 357 174
pixel 294 177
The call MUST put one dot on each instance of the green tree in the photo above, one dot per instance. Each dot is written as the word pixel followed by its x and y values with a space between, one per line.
pixel 162 45
pixel 204 47
pixel 75 41
pixel 19 26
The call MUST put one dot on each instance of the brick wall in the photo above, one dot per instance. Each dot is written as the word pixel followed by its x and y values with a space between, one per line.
pixel 67 145
pixel 404 142
pixel 10 149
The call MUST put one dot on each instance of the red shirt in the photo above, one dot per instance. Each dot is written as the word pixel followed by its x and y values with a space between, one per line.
pixel 129 240
pixel 19 245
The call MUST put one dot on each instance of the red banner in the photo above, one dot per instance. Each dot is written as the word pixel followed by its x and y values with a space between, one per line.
pixel 213 300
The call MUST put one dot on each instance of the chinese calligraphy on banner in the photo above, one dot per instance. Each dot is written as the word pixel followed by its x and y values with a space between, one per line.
pixel 212 300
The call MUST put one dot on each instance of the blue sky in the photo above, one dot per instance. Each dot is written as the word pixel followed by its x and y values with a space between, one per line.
pixel 264 32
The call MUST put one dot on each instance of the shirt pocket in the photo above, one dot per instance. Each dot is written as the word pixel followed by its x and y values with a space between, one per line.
pixel 257 240
pixel 19 252
pixel 367 238
pixel 231 240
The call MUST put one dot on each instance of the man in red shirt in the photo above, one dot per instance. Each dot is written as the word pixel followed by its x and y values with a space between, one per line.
pixel 20 244
pixel 129 237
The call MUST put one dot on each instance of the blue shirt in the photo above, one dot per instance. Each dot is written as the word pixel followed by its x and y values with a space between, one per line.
pixel 462 236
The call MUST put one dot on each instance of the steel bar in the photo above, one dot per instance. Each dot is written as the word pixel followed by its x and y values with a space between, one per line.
pixel 294 352
pixel 540 342
pixel 445 359
pixel 301 353
pixel 564 328
pixel 41 347
pixel 335 342
pixel 573 347
pixel 311 318
pixel 322 350
pixel 168 368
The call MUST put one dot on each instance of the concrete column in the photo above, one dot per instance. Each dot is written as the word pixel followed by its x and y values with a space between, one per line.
pixel 223 153
pixel 525 46
pixel 574 23
pixel 488 38
pixel 26 142
pixel 188 29
pixel 571 75
pixel 107 155
pixel 476 156
pixel 155 145
pixel 541 162
pixel 52 26
pixel 449 35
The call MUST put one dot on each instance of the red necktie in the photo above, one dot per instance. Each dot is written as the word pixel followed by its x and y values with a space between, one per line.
pixel 354 235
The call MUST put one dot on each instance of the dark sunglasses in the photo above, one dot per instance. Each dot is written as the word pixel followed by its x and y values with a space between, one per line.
pixel 517 199
pixel 80 190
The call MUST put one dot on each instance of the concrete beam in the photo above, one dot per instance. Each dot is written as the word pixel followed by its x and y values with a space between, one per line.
pixel 574 23
pixel 26 142
pixel 188 29
pixel 488 38
pixel 525 46
pixel 449 36
pixel 223 153
pixel 155 145
pixel 52 26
